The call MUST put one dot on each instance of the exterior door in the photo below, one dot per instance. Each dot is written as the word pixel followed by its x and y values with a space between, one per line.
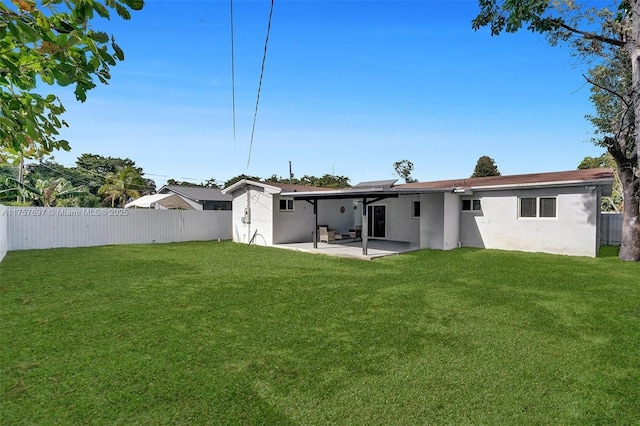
pixel 376 221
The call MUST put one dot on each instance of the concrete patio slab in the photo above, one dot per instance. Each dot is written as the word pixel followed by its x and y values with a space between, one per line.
pixel 353 249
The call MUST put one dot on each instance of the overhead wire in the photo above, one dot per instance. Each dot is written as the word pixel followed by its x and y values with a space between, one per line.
pixel 104 175
pixel 84 180
pixel 233 76
pixel 264 59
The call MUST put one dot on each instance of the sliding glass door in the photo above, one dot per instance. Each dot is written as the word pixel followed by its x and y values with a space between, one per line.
pixel 376 221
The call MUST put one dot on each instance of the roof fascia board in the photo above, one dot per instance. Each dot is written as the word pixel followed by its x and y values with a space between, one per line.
pixel 604 181
pixel 341 195
pixel 244 182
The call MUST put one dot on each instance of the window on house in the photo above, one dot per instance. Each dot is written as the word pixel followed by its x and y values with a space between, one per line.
pixel 471 205
pixel 547 207
pixel 538 207
pixel 528 207
pixel 416 209
pixel 286 205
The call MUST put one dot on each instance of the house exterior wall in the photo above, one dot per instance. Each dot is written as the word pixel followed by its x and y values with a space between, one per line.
pixel 439 221
pixel 432 221
pixel 258 221
pixel 451 225
pixel 194 204
pixel 292 226
pixel 329 213
pixel 401 226
pixel 574 230
pixel 216 205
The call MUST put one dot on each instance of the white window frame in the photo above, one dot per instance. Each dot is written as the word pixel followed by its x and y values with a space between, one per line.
pixel 473 202
pixel 413 209
pixel 538 209
pixel 289 204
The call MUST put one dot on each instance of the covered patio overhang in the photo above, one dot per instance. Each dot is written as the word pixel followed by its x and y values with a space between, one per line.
pixel 366 196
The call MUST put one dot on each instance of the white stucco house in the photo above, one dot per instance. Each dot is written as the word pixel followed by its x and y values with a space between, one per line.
pixel 556 212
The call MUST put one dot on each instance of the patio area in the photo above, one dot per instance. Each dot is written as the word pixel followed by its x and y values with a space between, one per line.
pixel 353 249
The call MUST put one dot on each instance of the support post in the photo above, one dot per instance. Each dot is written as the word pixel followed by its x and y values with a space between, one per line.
pixel 314 203
pixel 315 229
pixel 365 228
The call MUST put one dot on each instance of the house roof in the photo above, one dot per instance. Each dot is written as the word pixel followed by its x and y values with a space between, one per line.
pixel 170 201
pixel 532 179
pixel 196 193
pixel 273 187
pixel 285 187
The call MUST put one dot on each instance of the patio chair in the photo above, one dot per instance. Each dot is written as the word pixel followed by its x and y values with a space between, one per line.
pixel 356 232
pixel 326 235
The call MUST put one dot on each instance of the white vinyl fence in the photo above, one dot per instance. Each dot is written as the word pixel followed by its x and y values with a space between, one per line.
pixel 4 244
pixel 25 228
pixel 611 229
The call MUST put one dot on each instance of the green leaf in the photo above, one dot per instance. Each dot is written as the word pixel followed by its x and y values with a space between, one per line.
pixel 118 52
pixel 134 4
pixel 105 56
pixel 47 77
pixel 122 11
pixel 31 130
pixel 99 36
pixel 25 33
pixel 102 11
pixel 62 78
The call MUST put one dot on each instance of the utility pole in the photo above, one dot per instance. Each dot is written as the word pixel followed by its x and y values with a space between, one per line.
pixel 290 174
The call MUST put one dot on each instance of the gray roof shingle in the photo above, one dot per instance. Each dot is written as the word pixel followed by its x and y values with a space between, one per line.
pixel 196 193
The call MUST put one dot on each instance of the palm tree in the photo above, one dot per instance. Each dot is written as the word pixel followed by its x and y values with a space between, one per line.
pixel 122 186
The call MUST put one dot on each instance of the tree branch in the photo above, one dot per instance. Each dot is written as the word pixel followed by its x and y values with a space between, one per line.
pixel 606 89
pixel 588 35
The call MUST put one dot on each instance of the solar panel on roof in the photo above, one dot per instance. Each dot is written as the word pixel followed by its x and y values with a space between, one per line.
pixel 377 184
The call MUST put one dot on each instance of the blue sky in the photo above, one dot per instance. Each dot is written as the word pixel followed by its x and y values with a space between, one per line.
pixel 349 88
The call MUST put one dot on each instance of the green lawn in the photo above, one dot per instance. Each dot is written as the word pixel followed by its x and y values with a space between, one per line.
pixel 222 333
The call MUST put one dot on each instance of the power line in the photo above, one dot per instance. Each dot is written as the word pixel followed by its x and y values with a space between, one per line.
pixel 264 58
pixel 233 77
pixel 83 180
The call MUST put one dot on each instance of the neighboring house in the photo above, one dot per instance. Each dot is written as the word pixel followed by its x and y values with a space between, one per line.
pixel 159 201
pixel 545 212
pixel 199 198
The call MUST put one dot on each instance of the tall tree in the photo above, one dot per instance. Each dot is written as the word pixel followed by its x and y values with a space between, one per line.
pixel 607 33
pixel 615 202
pixel 238 178
pixel 325 181
pixel 403 169
pixel 121 186
pixel 101 165
pixel 209 183
pixel 486 166
pixel 97 167
pixel 51 41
